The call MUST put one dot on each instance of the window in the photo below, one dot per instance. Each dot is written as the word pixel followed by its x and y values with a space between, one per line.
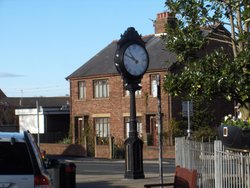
pixel 81 90
pixel 102 130
pixel 127 123
pixel 15 159
pixel 101 89
pixel 153 86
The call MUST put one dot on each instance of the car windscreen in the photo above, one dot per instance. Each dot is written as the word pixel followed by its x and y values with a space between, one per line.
pixel 14 158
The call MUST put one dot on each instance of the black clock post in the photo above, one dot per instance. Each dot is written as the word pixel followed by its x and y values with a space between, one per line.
pixel 133 144
pixel 131 61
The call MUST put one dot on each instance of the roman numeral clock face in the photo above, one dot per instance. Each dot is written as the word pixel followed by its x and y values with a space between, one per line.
pixel 135 60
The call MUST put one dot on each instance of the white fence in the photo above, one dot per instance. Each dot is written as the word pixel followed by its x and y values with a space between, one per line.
pixel 216 166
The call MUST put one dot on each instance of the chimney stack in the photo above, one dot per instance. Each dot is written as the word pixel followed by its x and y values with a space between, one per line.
pixel 161 20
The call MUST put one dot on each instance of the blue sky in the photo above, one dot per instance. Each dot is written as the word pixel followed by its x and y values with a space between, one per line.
pixel 44 41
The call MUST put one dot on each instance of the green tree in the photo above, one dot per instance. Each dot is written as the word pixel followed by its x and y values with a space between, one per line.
pixel 202 72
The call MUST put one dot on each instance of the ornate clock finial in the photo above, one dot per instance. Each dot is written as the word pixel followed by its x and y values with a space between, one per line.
pixel 130 35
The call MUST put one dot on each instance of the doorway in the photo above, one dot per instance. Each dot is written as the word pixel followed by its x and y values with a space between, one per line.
pixel 151 130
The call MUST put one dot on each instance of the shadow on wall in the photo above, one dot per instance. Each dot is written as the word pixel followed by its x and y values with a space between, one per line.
pixel 64 149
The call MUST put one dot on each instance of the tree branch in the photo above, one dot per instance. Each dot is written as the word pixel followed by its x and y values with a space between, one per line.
pixel 232 31
pixel 219 40
pixel 239 25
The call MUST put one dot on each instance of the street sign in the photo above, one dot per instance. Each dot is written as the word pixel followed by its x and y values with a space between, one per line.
pixel 187 108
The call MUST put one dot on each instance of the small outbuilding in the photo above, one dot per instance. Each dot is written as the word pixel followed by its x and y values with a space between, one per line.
pixel 48 116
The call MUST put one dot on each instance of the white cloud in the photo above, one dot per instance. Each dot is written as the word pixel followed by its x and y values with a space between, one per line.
pixel 5 74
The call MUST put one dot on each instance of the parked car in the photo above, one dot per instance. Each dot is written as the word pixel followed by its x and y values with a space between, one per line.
pixel 21 164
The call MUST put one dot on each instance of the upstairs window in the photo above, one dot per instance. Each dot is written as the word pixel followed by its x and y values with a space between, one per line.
pixel 81 90
pixel 101 89
pixel 153 85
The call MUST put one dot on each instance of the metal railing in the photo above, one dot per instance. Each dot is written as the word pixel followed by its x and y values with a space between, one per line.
pixel 216 166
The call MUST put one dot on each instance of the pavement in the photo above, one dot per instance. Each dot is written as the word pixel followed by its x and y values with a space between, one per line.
pixel 111 181
pixel 112 175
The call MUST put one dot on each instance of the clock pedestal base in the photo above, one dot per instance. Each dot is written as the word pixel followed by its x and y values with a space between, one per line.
pixel 134 158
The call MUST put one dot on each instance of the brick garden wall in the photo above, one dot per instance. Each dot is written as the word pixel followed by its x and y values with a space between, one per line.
pixel 102 151
pixel 152 152
pixel 64 149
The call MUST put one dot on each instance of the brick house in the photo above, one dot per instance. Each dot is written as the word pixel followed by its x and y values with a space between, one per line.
pixel 100 103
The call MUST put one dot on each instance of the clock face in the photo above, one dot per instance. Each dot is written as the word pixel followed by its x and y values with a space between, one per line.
pixel 135 60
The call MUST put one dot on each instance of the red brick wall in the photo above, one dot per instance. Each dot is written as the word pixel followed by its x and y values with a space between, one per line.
pixel 64 149
pixel 152 152
pixel 102 151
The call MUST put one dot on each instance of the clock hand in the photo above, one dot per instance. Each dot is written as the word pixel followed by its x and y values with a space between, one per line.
pixel 132 58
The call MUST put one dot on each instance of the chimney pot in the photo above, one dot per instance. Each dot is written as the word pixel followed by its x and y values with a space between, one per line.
pixel 161 20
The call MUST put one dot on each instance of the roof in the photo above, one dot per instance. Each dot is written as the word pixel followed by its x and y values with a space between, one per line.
pixel 30 102
pixel 2 95
pixel 103 62
pixel 159 57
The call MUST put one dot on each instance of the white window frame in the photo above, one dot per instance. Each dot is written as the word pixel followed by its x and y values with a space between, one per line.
pixel 153 85
pixel 102 127
pixel 127 123
pixel 81 90
pixel 101 88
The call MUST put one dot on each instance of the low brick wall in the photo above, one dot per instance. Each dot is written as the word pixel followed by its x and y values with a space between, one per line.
pixel 149 152
pixel 64 149
pixel 152 152
pixel 102 151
